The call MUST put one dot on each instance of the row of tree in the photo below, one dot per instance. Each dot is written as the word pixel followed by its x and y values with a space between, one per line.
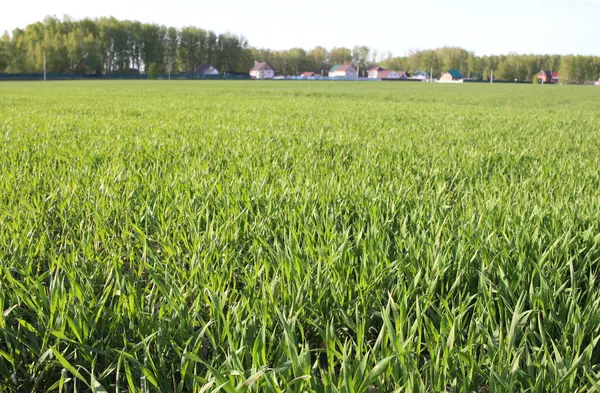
pixel 507 67
pixel 107 45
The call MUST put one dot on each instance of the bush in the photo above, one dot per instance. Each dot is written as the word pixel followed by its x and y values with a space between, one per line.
pixel 153 71
pixel 535 80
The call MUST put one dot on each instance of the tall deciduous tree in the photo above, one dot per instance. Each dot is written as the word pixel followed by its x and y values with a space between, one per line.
pixel 4 51
pixel 340 55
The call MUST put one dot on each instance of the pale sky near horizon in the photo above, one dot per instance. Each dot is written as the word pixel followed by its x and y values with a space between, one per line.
pixel 520 26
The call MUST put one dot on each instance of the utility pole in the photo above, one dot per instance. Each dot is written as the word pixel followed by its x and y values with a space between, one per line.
pixel 169 68
pixel 431 75
pixel 44 68
pixel 357 71
pixel 492 78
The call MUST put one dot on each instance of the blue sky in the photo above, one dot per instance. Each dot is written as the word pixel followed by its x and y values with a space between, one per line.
pixel 486 27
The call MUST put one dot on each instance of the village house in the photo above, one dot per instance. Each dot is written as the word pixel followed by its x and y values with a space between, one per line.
pixel 262 70
pixel 308 74
pixel 206 69
pixel 547 77
pixel 342 71
pixel 451 76
pixel 373 72
pixel 392 74
pixel 382 73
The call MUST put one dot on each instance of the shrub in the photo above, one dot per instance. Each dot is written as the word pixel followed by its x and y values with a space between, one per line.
pixel 153 71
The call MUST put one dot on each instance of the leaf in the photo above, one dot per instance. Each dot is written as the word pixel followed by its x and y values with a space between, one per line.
pixel 379 368
pixel 68 366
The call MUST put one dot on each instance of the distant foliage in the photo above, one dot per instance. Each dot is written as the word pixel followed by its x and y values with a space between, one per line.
pixel 535 80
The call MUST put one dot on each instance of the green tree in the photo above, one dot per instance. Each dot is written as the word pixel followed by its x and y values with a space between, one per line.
pixel 360 57
pixel 153 45
pixel 190 54
pixel 4 51
pixel 319 57
pixel 171 45
pixel 567 69
pixel 340 56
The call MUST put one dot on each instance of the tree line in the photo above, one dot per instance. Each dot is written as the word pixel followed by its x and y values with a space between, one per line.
pixel 507 67
pixel 108 45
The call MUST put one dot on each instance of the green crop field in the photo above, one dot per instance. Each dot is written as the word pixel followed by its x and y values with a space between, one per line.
pixel 299 237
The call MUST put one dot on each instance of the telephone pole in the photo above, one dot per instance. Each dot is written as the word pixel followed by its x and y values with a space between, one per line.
pixel 44 68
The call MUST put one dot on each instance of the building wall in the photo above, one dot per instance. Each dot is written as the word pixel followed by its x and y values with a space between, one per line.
pixel 265 74
pixel 343 74
pixel 446 77
pixel 543 77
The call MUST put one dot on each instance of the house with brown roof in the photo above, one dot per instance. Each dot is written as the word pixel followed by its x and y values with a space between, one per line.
pixel 262 70
pixel 343 71
pixel 308 74
pixel 382 73
pixel 373 72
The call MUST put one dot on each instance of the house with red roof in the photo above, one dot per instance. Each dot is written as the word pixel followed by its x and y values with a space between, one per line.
pixel 547 77
pixel 343 71
pixel 308 74
pixel 382 73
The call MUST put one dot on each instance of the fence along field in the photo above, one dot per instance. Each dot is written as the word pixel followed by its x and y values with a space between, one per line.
pixel 298 237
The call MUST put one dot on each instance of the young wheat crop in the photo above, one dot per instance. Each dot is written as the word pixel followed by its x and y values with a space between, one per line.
pixel 299 237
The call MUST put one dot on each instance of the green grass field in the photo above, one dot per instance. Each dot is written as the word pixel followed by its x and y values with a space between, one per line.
pixel 299 237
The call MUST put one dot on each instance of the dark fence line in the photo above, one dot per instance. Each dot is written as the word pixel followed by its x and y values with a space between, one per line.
pixel 63 77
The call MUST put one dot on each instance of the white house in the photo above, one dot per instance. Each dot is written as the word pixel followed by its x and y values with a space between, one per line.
pixel 342 71
pixel 262 71
pixel 206 69
pixel 382 73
